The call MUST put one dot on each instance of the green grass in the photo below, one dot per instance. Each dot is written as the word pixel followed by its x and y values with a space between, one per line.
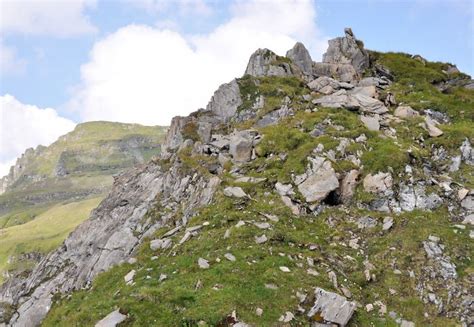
pixel 44 233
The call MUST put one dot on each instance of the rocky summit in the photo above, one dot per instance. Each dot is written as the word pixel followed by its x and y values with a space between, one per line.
pixel 333 193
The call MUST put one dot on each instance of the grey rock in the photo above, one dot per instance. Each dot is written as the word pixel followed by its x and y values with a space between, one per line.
pixel 467 152
pixel 387 223
pixel 469 219
pixel 358 101
pixel 241 145
pixel 112 319
pixel 332 308
pixel 203 263
pixel 345 50
pixel 160 244
pixel 261 239
pixel 414 197
pixel 455 163
pixel 407 323
pixel 229 256
pixel 443 264
pixel 284 189
pixel 430 125
pixel 468 202
pixel 129 277
pixel 378 82
pixel 405 112
pixel 341 72
pixel 264 62
pixel 275 116
pixel 348 185
pixel 371 122
pixel 324 85
pixel 369 91
pixel 366 222
pixel 379 183
pixel 235 191
pixel 321 181
pixel 225 101
pixel 300 56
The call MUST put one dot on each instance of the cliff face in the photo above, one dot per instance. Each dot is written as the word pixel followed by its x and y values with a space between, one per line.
pixel 292 180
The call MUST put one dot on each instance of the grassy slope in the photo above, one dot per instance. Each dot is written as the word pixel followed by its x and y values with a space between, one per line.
pixel 44 233
pixel 240 285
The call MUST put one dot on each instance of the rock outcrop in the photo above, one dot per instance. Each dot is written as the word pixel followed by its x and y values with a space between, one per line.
pixel 347 51
pixel 301 57
pixel 264 62
pixel 225 101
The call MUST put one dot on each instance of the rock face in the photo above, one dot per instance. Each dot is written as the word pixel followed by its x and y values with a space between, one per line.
pixel 342 72
pixel 108 237
pixel 357 101
pixel 225 101
pixel 346 50
pixel 332 308
pixel 301 57
pixel 264 62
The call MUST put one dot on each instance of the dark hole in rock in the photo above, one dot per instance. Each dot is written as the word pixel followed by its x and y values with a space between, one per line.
pixel 333 198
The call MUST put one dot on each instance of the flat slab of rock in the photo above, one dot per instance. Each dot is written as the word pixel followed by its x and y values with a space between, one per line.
pixel 112 319
pixel 378 183
pixel 203 263
pixel 405 112
pixel 331 307
pixel 234 191
pixel 371 122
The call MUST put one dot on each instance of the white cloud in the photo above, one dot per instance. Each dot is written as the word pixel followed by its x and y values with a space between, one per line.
pixel 46 17
pixel 184 7
pixel 23 126
pixel 148 75
pixel 10 64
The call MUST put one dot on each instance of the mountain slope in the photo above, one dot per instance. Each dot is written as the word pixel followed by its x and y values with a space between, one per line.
pixel 322 194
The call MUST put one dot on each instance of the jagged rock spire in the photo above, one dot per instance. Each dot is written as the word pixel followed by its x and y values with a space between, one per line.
pixel 301 57
pixel 346 50
pixel 264 62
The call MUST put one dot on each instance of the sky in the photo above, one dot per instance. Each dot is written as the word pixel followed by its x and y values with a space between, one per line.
pixel 63 62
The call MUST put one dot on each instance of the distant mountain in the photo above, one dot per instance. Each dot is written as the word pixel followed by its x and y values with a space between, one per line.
pixel 78 165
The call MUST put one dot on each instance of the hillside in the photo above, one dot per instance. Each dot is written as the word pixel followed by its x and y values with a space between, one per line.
pixel 307 193
pixel 52 189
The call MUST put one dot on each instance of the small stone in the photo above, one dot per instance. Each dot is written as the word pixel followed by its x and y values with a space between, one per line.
pixel 397 272
pixel 129 277
pixel 430 125
pixel 287 317
pixel 271 286
pixel 312 272
pixel 469 219
pixel 229 257
pixel 387 223
pixel 132 261
pixel 406 323
pixel 434 238
pixel 392 291
pixel 263 225
pixel 163 277
pixel 240 223
pixel 285 269
pixel 203 263
pixel 261 239
pixel 369 307
pixel 234 191
pixel 462 193
pixel 347 293
pixel 259 311
pixel 227 233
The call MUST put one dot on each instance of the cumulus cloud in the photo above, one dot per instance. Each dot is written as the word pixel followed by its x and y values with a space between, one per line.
pixel 23 126
pixel 10 63
pixel 46 17
pixel 147 75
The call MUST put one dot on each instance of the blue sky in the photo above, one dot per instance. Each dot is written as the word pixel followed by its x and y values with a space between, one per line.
pixel 147 60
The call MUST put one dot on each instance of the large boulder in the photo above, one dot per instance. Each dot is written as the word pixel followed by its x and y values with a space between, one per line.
pixel 225 101
pixel 341 72
pixel 301 58
pixel 264 62
pixel 352 101
pixel 346 50
pixel 320 182
pixel 378 183
pixel 332 308
pixel 241 145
